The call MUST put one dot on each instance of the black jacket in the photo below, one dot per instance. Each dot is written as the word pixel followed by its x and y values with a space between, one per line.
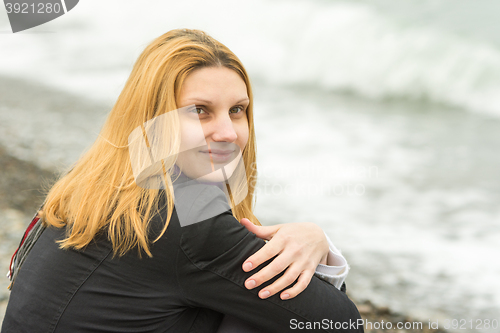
pixel 192 280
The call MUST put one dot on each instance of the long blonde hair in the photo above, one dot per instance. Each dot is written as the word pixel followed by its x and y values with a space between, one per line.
pixel 99 192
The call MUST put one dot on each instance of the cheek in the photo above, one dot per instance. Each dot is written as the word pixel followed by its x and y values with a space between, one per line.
pixel 243 134
pixel 192 136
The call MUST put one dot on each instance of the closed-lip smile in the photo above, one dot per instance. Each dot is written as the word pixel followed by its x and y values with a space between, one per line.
pixel 217 151
pixel 218 155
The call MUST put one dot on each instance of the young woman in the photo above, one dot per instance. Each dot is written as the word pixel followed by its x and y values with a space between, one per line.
pixel 142 234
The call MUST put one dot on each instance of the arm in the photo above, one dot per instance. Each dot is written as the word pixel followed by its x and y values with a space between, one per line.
pixel 210 276
pixel 301 250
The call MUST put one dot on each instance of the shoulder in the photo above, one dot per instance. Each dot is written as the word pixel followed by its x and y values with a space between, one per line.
pixel 208 228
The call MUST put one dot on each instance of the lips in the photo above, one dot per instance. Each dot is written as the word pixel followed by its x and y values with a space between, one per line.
pixel 218 151
pixel 218 155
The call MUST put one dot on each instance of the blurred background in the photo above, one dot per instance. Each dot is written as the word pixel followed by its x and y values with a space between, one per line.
pixel 379 120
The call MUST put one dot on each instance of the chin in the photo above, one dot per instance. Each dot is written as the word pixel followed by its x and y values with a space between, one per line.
pixel 223 171
pixel 217 176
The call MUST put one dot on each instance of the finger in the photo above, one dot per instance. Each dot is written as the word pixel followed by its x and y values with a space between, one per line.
pixel 264 232
pixel 271 249
pixel 278 265
pixel 302 283
pixel 290 276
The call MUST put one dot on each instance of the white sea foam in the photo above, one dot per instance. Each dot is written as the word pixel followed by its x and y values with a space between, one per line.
pixel 422 236
pixel 335 46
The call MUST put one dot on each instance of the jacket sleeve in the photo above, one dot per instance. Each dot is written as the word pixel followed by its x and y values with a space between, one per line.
pixel 210 275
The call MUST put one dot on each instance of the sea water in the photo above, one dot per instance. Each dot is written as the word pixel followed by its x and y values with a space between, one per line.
pixel 377 120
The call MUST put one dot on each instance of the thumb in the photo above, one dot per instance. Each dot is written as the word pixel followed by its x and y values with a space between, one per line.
pixel 264 232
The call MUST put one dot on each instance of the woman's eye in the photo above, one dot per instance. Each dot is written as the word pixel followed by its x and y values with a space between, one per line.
pixel 199 111
pixel 236 109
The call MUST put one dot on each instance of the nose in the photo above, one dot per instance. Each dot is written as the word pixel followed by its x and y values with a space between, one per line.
pixel 222 129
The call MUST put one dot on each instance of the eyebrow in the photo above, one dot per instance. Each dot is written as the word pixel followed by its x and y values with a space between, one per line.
pixel 204 101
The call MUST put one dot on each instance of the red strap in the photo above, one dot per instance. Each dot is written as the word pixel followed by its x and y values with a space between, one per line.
pixel 26 233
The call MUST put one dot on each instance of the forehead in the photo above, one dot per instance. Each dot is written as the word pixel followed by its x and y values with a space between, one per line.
pixel 214 83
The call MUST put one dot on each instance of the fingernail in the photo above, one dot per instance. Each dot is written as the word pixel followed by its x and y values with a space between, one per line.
pixel 247 266
pixel 251 284
pixel 264 294
pixel 285 296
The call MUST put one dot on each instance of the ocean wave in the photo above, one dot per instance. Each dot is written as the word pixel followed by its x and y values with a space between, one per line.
pixel 352 48
pixel 333 46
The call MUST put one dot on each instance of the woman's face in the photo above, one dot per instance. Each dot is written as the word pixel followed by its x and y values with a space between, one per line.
pixel 215 132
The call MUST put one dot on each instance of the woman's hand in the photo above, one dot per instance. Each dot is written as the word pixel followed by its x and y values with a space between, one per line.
pixel 299 247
